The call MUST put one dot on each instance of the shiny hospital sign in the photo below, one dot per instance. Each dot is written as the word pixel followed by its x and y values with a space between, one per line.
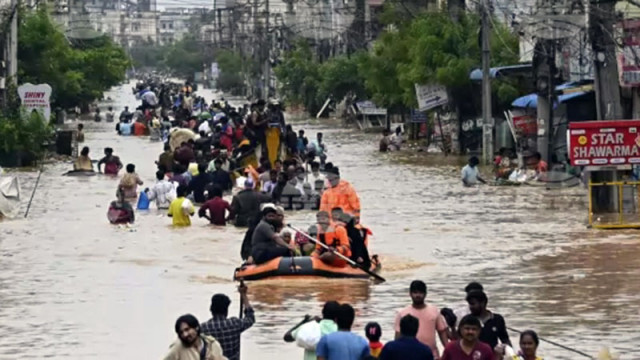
pixel 603 143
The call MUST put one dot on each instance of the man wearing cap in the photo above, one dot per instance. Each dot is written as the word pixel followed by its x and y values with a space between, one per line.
pixel 246 204
pixel 266 243
pixel 340 194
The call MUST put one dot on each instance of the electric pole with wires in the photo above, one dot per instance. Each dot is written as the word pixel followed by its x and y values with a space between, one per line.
pixel 602 17
pixel 487 118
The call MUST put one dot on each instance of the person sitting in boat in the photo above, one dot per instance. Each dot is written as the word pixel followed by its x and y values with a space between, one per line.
pixel 112 164
pixel 288 238
pixel 83 162
pixel 310 197
pixel 357 239
pixel 302 242
pixel 335 237
pixel 120 211
pixel 266 243
pixel 340 194
pixel 316 178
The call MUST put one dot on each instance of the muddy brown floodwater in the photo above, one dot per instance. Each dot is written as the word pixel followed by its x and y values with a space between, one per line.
pixel 74 287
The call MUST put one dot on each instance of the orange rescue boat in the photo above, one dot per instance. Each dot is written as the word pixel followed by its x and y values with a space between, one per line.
pixel 301 266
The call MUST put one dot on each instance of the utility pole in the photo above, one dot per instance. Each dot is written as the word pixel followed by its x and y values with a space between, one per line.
pixel 544 67
pixel 487 118
pixel 219 25
pixel 601 29
pixel 11 51
pixel 267 64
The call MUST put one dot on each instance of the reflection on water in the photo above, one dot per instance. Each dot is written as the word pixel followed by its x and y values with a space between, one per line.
pixel 84 289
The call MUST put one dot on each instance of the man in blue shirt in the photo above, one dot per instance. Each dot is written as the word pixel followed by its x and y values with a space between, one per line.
pixel 407 347
pixel 343 344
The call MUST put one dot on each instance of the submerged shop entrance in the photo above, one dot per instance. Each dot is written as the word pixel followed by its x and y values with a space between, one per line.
pixel 610 153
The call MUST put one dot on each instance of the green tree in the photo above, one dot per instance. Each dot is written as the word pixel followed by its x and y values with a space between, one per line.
pixel 340 76
pixel 432 48
pixel 232 67
pixel 382 67
pixel 185 57
pixel 77 75
pixel 299 77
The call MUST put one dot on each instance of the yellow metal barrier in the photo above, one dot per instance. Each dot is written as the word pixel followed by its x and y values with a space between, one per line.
pixel 622 205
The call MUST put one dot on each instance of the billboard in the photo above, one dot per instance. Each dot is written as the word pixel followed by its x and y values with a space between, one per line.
pixel 603 143
pixel 629 58
pixel 36 98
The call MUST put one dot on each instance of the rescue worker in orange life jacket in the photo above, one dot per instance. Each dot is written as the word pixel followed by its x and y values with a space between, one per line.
pixel 334 235
pixel 340 194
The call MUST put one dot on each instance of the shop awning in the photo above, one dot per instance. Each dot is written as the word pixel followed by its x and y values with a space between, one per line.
pixel 531 100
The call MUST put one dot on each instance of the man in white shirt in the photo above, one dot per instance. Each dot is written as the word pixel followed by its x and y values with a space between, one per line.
pixel 269 185
pixel 470 173
pixel 162 191
pixel 317 179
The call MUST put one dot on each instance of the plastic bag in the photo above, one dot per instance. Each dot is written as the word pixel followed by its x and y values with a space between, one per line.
pixel 309 336
pixel 173 192
pixel 143 201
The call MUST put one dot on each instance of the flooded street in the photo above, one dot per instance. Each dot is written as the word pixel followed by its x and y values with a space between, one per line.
pixel 72 286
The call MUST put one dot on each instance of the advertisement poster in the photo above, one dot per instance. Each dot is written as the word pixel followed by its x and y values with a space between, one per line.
pixel 36 98
pixel 604 143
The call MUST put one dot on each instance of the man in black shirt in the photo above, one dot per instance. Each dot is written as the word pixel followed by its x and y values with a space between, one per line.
pixel 493 326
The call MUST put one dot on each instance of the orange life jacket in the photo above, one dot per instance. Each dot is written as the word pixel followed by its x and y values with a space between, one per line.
pixel 334 236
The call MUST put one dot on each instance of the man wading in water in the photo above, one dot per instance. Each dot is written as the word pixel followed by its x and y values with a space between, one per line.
pixel 428 316
pixel 112 164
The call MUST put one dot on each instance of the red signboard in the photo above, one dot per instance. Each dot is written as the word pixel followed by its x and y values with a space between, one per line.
pixel 526 125
pixel 602 143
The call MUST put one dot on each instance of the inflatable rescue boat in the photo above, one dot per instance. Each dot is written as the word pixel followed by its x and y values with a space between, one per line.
pixel 301 266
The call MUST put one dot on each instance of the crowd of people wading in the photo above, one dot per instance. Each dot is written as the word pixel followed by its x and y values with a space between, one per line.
pixel 212 149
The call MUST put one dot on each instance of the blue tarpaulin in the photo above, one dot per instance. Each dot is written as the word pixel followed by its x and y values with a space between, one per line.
pixel 531 100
